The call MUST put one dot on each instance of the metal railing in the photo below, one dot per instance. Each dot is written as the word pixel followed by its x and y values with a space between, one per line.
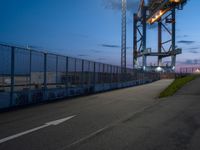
pixel 190 70
pixel 30 76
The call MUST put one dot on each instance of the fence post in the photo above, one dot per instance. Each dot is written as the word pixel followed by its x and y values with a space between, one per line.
pixel 111 73
pixel 103 77
pixel 45 75
pixel 75 72
pixel 82 74
pixel 30 79
pixel 56 71
pixel 12 75
pixel 66 84
pixel 118 77
pixel 94 75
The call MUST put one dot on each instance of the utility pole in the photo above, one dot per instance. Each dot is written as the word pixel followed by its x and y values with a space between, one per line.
pixel 123 38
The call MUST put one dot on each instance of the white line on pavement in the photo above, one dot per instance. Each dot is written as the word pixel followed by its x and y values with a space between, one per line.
pixel 52 123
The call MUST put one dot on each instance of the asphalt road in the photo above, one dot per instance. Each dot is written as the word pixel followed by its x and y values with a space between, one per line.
pixel 129 119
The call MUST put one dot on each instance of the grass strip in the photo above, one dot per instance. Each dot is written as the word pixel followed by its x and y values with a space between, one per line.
pixel 176 85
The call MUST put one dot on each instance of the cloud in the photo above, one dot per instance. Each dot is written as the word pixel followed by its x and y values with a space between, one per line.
pixel 194 50
pixel 193 61
pixel 83 55
pixel 101 59
pixel 167 62
pixel 190 62
pixel 95 51
pixel 186 42
pixel 132 5
pixel 185 35
pixel 114 46
pixel 182 36
pixel 110 46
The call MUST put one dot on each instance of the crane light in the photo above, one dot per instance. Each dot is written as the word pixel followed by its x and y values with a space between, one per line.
pixel 175 1
pixel 157 16
pixel 164 8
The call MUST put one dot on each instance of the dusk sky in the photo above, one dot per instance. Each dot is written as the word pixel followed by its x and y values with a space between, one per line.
pixel 88 29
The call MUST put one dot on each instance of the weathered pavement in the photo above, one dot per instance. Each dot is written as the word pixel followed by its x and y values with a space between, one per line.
pixel 124 119
pixel 172 124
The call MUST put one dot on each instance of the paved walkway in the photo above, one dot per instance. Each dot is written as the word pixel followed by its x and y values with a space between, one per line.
pixel 171 124
pixel 102 121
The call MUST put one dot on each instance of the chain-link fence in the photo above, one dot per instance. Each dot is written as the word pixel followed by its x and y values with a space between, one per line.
pixel 30 76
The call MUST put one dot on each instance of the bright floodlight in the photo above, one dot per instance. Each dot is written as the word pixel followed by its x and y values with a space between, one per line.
pixel 159 69
pixel 197 71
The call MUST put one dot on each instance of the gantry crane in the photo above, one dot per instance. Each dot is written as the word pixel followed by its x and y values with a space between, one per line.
pixel 162 12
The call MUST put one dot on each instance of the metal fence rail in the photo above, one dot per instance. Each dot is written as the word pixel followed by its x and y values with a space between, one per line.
pixel 30 76
pixel 190 70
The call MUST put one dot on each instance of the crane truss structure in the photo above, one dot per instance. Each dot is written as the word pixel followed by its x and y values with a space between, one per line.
pixel 162 12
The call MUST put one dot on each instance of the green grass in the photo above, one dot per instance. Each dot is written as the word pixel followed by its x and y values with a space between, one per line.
pixel 176 85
